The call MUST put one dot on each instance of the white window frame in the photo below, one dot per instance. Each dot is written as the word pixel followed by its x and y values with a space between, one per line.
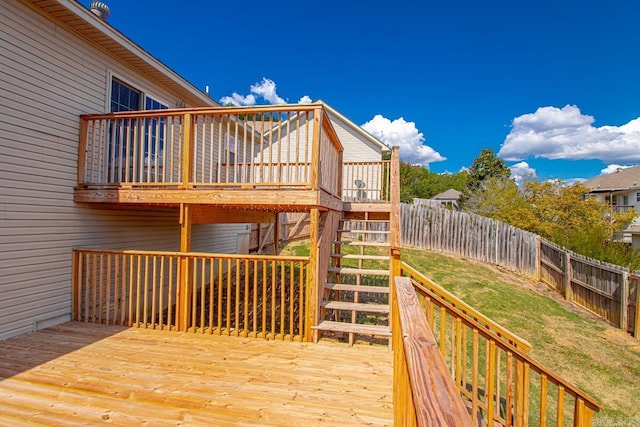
pixel 144 93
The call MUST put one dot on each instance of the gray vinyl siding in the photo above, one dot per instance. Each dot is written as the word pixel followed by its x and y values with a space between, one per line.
pixel 48 78
pixel 356 147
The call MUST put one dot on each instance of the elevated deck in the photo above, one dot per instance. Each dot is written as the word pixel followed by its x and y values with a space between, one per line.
pixel 80 373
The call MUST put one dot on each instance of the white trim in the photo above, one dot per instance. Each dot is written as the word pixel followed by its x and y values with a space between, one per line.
pixel 140 88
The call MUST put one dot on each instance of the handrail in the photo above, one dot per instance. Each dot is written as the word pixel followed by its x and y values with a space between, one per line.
pixel 201 110
pixel 502 393
pixel 196 254
pixel 424 393
pixel 456 304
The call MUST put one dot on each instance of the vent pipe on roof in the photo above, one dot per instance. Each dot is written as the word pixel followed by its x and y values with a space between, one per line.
pixel 100 9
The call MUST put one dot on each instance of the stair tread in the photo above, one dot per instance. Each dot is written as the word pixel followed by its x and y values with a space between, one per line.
pixel 356 328
pixel 357 288
pixel 351 270
pixel 361 243
pixel 346 230
pixel 358 256
pixel 356 306
pixel 366 220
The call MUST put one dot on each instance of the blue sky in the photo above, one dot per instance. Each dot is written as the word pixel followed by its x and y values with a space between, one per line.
pixel 552 86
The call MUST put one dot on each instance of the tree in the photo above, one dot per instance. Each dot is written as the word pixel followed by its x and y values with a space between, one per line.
pixel 419 182
pixel 559 213
pixel 501 199
pixel 485 166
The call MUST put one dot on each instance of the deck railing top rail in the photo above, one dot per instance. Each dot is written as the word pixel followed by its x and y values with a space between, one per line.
pixel 424 392
pixel 444 297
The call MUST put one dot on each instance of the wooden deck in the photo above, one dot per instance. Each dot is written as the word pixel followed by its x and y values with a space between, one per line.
pixel 79 374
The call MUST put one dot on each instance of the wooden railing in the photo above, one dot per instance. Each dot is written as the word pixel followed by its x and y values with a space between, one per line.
pixel 254 296
pixel 423 393
pixel 224 147
pixel 501 383
pixel 454 303
pixel 366 182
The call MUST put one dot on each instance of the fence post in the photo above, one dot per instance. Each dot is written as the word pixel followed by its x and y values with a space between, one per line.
pixel 538 259
pixel 624 300
pixel 568 293
pixel 636 323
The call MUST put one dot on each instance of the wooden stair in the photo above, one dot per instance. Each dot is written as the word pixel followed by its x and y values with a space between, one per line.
pixel 356 295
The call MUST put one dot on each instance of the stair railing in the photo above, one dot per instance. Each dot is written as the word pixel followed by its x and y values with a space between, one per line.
pixel 500 383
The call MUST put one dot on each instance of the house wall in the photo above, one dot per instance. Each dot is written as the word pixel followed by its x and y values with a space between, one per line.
pixel 618 200
pixel 49 77
pixel 356 147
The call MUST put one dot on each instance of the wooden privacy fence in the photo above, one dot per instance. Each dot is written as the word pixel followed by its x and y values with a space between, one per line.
pixel 500 383
pixel 292 226
pixel 470 236
pixel 608 290
pixel 249 296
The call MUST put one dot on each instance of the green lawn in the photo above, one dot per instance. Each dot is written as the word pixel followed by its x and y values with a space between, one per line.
pixel 600 359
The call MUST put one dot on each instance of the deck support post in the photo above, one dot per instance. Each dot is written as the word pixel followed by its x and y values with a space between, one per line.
pixel 394 225
pixel 312 296
pixel 184 274
pixel 276 234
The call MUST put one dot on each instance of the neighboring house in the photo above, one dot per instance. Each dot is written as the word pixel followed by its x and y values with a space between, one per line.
pixel 448 199
pixel 621 191
pixel 61 61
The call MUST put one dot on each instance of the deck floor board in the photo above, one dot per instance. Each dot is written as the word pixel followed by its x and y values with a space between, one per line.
pixel 80 373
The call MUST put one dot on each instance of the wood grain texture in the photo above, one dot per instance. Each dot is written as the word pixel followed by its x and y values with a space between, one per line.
pixel 434 394
pixel 162 378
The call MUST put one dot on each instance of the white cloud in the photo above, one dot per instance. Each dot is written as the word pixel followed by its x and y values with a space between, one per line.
pixel 566 133
pixel 404 134
pixel 522 171
pixel 612 168
pixel 237 99
pixel 265 89
pixel 570 181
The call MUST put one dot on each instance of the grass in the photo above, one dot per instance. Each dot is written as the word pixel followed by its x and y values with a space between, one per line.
pixel 598 358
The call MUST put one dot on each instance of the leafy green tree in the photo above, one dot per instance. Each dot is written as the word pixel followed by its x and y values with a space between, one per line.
pixel 485 166
pixel 501 199
pixel 420 182
pixel 559 213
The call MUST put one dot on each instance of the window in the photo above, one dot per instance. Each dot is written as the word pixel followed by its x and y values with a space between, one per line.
pixel 127 145
pixel 625 200
pixel 638 196
pixel 126 98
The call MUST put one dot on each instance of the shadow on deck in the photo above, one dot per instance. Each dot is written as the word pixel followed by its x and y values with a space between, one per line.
pixel 80 373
